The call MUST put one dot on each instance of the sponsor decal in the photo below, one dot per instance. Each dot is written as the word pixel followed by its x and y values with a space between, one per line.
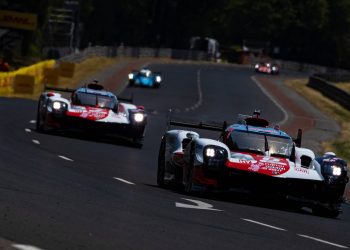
pixel 259 164
pixel 302 170
pixel 89 113
pixel 18 20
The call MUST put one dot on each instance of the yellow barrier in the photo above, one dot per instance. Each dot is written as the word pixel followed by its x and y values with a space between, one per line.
pixel 36 71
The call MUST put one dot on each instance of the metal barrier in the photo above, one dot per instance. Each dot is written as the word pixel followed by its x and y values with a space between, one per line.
pixel 328 89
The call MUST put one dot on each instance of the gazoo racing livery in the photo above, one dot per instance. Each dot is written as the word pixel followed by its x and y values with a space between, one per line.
pixel 145 78
pixel 93 110
pixel 251 156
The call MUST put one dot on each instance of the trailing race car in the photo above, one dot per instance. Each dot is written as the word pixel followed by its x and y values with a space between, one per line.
pixel 251 156
pixel 91 109
pixel 267 68
pixel 145 78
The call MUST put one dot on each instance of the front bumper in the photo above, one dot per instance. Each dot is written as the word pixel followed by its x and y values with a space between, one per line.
pixel 63 122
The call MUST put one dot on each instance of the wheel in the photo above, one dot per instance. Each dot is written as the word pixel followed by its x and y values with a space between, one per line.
pixel 137 142
pixel 161 165
pixel 189 175
pixel 326 212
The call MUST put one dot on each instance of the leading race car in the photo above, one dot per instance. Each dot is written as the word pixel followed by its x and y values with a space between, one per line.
pixel 251 156
pixel 90 109
pixel 267 68
pixel 145 78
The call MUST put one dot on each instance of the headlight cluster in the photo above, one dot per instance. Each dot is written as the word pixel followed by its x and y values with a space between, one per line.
pixel 158 78
pixel 139 117
pixel 214 157
pixel 256 66
pixel 336 170
pixel 58 106
pixel 131 76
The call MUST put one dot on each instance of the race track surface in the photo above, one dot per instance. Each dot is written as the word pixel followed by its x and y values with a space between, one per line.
pixel 60 192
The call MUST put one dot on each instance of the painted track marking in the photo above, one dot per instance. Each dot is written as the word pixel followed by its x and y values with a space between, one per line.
pixel 285 114
pixel 25 247
pixel 263 224
pixel 36 142
pixel 64 158
pixel 322 241
pixel 200 95
pixel 27 130
pixel 199 205
pixel 122 180
pixel 32 121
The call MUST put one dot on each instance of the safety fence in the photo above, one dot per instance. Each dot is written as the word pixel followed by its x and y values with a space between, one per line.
pixel 24 78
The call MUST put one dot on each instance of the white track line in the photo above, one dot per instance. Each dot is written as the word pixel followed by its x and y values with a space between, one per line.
pixel 263 224
pixel 27 130
pixel 322 241
pixel 285 114
pixel 25 247
pixel 36 142
pixel 64 158
pixel 125 181
pixel 32 121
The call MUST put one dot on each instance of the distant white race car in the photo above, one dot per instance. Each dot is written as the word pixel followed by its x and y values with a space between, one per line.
pixel 90 109
pixel 251 156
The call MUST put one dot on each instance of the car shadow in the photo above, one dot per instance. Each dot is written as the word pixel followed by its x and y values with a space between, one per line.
pixel 97 138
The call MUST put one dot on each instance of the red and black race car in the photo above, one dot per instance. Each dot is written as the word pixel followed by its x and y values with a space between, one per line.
pixel 267 68
pixel 90 109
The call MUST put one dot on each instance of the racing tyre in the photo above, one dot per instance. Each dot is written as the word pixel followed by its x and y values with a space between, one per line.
pixel 326 212
pixel 137 142
pixel 189 178
pixel 161 165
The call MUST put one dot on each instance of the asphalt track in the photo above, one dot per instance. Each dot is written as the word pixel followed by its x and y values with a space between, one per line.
pixel 59 192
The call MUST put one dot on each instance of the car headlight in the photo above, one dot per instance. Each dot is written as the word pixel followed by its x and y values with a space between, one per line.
pixel 58 105
pixel 274 68
pixel 336 170
pixel 268 65
pixel 210 152
pixel 158 79
pixel 131 76
pixel 256 66
pixel 139 117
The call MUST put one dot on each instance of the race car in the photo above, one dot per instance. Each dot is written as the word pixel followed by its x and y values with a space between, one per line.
pixel 253 157
pixel 145 78
pixel 267 68
pixel 90 109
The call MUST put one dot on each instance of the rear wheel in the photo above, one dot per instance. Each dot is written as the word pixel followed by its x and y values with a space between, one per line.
pixel 330 212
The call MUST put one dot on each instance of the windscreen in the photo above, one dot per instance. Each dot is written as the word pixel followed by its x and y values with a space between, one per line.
pixel 94 100
pixel 259 143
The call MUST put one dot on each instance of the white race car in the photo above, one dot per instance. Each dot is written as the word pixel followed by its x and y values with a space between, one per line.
pixel 251 156
pixel 90 109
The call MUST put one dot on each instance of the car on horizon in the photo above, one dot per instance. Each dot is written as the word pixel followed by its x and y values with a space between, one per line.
pixel 267 68
pixel 145 78
pixel 90 109
pixel 251 156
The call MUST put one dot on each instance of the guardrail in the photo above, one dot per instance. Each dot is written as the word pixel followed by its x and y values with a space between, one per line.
pixel 328 89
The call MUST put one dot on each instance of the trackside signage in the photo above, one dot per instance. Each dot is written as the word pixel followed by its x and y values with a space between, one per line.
pixel 18 20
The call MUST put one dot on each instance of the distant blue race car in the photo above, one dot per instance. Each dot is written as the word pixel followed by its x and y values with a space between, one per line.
pixel 145 78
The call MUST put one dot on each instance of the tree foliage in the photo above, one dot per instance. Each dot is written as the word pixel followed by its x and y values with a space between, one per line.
pixel 316 31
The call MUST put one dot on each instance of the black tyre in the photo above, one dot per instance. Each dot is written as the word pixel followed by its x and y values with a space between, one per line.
pixel 188 188
pixel 161 165
pixel 138 142
pixel 326 212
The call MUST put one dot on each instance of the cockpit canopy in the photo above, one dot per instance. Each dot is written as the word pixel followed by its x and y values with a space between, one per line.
pixel 94 100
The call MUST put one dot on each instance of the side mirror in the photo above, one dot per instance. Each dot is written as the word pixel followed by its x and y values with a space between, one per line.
pixel 292 154
pixel 185 142
pixel 298 139
pixel 305 161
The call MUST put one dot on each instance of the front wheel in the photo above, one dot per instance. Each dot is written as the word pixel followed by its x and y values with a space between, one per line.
pixel 331 212
pixel 161 165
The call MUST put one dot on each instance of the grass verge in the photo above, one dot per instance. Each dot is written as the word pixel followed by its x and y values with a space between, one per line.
pixel 341 144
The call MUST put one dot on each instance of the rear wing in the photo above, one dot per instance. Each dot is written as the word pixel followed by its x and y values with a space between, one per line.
pixel 200 125
pixel 69 90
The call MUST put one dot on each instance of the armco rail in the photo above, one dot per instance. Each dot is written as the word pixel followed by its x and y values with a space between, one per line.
pixel 328 89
